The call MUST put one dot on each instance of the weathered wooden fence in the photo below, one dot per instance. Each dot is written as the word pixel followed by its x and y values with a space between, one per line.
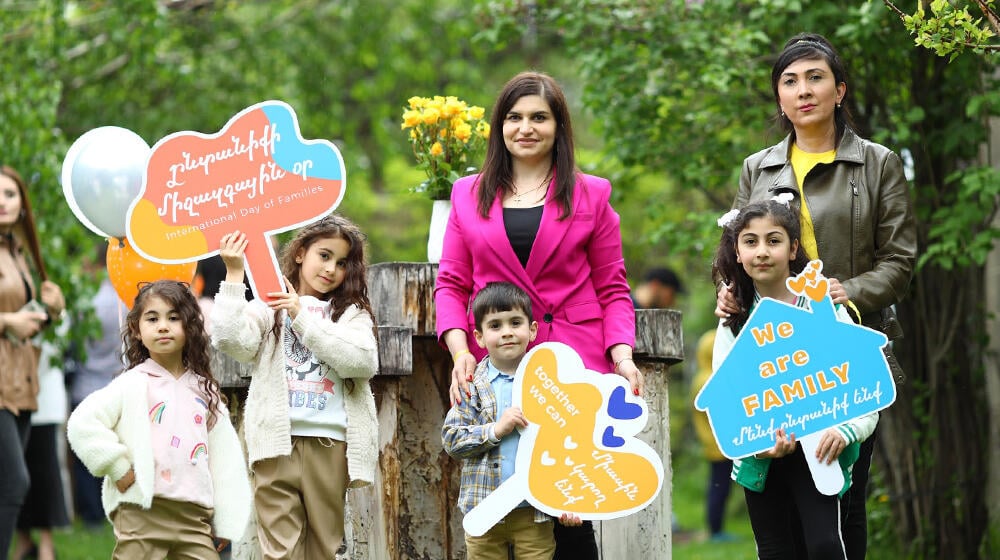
pixel 410 513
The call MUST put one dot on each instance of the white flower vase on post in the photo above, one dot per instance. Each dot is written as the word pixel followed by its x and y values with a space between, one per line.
pixel 439 222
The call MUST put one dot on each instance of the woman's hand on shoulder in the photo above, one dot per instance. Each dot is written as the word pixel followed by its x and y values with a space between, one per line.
pixel 837 291
pixel 725 302
pixel 461 375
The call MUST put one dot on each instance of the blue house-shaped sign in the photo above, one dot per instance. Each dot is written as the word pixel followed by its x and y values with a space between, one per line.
pixel 794 368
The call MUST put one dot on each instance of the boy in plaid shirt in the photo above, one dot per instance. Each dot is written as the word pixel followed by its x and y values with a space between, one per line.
pixel 481 429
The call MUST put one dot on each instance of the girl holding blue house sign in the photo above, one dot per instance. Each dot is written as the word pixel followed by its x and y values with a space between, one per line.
pixel 760 249
pixel 854 206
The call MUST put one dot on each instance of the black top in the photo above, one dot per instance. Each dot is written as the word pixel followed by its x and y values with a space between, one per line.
pixel 522 227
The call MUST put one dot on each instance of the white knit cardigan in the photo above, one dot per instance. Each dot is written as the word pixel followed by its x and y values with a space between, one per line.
pixel 346 348
pixel 110 432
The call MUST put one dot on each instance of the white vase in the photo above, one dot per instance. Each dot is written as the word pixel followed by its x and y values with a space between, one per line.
pixel 439 222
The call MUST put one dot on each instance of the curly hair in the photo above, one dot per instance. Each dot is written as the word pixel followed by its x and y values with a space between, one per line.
pixel 195 355
pixel 725 267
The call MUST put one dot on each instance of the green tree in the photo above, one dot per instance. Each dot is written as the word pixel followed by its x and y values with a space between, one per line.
pixel 33 143
pixel 951 28
pixel 156 67
pixel 682 89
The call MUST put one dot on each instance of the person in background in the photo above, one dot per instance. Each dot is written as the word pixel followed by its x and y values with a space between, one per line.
pixel 719 466
pixel 22 316
pixel 45 505
pixel 103 362
pixel 658 290
pixel 533 219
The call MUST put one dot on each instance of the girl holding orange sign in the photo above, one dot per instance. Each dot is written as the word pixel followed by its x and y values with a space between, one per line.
pixel 309 419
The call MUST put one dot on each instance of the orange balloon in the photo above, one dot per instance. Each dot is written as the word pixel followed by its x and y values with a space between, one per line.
pixel 127 269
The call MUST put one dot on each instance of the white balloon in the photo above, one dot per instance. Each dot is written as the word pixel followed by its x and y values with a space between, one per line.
pixel 102 175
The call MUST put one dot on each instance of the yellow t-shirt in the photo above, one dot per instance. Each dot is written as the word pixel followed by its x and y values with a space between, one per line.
pixel 802 163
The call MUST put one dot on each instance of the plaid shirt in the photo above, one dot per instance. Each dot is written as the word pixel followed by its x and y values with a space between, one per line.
pixel 466 436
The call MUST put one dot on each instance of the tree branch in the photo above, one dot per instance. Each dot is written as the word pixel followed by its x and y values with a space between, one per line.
pixel 991 16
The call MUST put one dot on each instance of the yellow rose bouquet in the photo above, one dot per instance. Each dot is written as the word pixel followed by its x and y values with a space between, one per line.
pixel 446 135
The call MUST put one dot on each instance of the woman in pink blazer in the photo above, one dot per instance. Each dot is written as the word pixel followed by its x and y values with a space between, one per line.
pixel 531 218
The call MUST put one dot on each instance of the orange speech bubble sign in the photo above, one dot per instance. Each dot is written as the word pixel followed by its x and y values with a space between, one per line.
pixel 257 175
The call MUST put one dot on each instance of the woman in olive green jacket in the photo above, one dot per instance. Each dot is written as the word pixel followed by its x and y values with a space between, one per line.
pixel 854 206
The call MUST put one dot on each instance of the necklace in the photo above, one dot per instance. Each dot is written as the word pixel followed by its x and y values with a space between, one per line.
pixel 518 196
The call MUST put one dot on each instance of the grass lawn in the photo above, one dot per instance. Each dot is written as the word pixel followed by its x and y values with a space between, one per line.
pixel 80 543
pixel 691 540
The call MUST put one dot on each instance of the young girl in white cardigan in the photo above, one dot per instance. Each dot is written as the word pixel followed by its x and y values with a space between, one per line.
pixel 309 419
pixel 160 435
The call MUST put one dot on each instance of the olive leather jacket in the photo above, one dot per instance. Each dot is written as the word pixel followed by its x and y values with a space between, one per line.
pixel 862 216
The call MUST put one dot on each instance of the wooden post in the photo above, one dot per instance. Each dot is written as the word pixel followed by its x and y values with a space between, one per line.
pixel 410 513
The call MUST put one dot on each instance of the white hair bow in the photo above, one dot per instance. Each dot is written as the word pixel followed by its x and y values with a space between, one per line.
pixel 725 219
pixel 783 198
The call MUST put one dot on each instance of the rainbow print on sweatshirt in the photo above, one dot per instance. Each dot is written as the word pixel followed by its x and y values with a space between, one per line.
pixel 156 413
pixel 200 450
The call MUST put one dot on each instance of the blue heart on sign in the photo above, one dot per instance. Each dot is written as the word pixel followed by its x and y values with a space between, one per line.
pixel 609 439
pixel 620 409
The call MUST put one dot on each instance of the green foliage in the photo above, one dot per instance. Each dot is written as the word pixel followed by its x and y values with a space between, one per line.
pixel 33 143
pixel 950 245
pixel 159 67
pixel 950 28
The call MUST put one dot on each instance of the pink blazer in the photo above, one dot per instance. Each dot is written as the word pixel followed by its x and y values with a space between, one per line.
pixel 575 274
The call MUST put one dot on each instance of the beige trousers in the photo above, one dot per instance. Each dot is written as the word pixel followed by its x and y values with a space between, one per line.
pixel 300 500
pixel 532 541
pixel 178 530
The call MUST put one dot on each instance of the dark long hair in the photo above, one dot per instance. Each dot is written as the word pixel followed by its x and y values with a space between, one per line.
pixel 195 355
pixel 24 229
pixel 726 269
pixel 498 168
pixel 811 46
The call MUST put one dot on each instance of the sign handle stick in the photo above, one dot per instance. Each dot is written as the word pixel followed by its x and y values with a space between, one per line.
pixel 829 479
pixel 493 508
